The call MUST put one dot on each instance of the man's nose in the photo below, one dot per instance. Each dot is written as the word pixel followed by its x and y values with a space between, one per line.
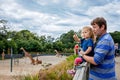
pixel 93 30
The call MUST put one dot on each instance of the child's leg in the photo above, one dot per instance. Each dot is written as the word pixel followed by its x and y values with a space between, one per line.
pixel 72 71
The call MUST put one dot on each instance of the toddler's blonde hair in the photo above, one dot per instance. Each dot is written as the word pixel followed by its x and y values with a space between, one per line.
pixel 88 28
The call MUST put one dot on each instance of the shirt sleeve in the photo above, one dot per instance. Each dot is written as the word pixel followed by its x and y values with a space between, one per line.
pixel 101 50
pixel 90 43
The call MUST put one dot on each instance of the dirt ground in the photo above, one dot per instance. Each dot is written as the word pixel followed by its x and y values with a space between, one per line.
pixel 24 67
pixel 117 68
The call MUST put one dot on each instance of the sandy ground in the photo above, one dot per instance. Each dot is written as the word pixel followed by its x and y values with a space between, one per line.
pixel 24 67
pixel 117 68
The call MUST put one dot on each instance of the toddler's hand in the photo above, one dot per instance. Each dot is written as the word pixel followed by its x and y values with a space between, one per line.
pixel 81 52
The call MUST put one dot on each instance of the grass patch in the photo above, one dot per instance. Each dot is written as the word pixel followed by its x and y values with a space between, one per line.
pixel 57 72
pixel 29 77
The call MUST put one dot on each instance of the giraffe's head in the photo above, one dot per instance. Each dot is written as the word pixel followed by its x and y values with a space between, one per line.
pixel 21 48
pixel 55 50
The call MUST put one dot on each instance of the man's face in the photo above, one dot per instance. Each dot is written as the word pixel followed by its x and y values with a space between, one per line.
pixel 97 30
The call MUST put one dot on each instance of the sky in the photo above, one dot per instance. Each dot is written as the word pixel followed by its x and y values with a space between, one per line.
pixel 55 17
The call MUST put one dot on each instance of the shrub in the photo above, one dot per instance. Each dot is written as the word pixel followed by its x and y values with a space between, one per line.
pixel 58 72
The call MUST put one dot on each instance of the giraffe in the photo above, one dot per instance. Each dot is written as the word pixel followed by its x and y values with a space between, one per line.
pixel 38 61
pixel 58 54
pixel 28 55
pixel 3 55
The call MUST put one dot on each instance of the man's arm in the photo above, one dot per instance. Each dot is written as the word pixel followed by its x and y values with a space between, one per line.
pixel 89 59
pixel 87 51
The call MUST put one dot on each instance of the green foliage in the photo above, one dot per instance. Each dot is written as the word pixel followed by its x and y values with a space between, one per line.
pixel 58 72
pixel 116 36
pixel 29 77
pixel 71 58
pixel 58 45
pixel 68 50
pixel 43 44
pixel 33 43
pixel 2 46
pixel 67 39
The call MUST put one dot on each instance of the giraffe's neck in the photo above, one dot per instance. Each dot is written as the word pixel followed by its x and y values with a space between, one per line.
pixel 24 50
pixel 28 55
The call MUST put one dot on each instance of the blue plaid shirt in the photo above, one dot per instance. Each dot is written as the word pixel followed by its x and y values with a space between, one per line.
pixel 104 57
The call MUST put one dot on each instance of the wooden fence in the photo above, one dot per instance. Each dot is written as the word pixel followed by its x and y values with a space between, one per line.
pixel 82 72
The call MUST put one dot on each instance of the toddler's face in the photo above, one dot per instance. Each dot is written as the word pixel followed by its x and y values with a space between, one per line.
pixel 85 33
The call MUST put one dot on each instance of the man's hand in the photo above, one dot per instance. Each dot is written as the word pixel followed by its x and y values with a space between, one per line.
pixel 82 53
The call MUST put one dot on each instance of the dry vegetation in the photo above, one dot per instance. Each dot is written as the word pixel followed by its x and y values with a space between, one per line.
pixel 58 72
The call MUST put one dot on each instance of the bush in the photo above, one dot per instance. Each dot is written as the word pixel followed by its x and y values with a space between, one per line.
pixel 57 72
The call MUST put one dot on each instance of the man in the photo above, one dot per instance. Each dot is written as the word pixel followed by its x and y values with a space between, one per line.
pixel 103 61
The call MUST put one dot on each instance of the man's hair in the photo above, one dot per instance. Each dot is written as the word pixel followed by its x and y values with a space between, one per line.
pixel 99 21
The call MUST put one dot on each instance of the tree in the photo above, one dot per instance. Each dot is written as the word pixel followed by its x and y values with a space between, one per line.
pixel 67 39
pixel 116 36
pixel 58 45
pixel 3 33
pixel 3 27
